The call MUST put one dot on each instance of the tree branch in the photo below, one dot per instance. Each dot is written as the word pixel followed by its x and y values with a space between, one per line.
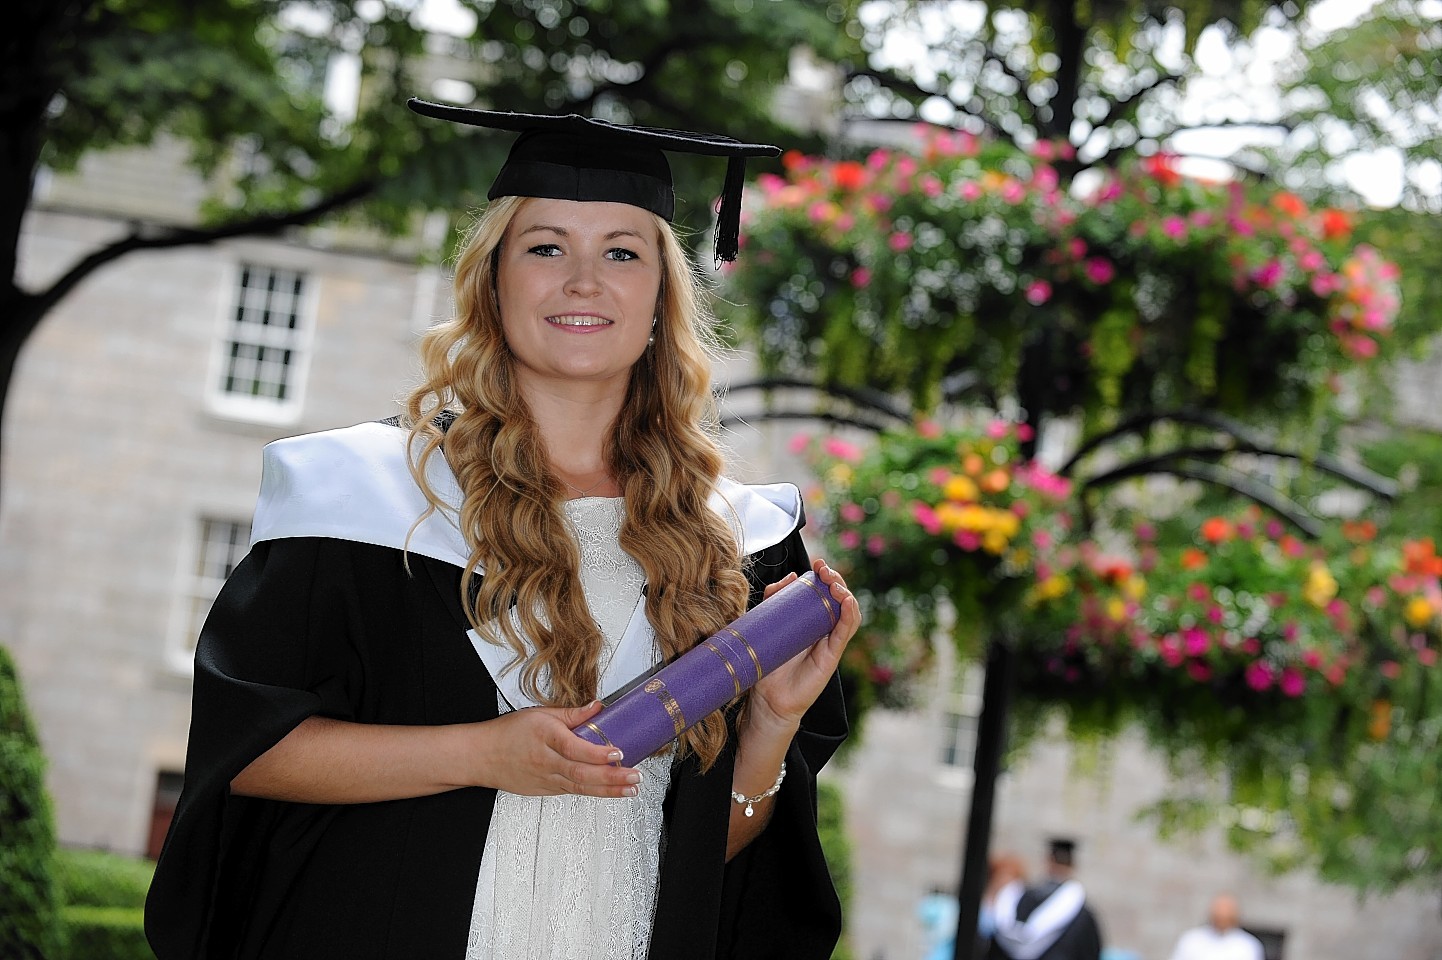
pixel 168 237
pixel 870 400
pixel 1125 106
pixel 911 88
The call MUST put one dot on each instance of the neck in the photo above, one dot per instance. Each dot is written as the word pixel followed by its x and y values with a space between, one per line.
pixel 575 421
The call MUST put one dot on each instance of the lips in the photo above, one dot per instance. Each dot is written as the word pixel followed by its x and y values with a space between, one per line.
pixel 579 320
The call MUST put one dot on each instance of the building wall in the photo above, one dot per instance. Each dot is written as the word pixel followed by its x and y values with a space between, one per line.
pixel 111 455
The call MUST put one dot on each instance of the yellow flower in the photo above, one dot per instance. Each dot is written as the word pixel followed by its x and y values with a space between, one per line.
pixel 976 519
pixel 1418 612
pixel 994 541
pixel 961 489
pixel 1008 523
pixel 840 474
pixel 1134 587
pixel 1116 610
pixel 1321 586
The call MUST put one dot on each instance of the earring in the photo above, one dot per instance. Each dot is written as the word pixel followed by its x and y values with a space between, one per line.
pixel 651 340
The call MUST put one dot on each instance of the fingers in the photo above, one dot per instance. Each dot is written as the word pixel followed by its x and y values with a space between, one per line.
pixel 772 588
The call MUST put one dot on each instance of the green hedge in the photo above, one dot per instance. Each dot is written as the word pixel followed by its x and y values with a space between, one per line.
pixel 105 933
pixel 831 827
pixel 96 878
pixel 29 928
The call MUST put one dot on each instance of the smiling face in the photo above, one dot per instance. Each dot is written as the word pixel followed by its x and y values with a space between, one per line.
pixel 577 284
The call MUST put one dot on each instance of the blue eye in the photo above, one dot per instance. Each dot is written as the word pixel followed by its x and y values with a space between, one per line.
pixel 545 250
pixel 621 253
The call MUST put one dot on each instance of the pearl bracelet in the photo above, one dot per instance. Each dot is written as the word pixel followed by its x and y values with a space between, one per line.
pixel 768 792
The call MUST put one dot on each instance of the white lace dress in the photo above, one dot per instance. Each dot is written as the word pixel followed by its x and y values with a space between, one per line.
pixel 566 877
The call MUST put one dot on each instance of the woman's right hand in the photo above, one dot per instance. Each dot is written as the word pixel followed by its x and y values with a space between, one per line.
pixel 532 752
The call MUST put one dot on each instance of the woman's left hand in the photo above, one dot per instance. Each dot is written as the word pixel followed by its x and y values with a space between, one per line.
pixel 782 697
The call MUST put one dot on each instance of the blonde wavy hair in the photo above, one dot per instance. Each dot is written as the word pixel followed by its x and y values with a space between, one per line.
pixel 661 453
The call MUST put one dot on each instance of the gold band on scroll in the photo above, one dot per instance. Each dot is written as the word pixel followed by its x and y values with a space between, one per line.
pixel 735 680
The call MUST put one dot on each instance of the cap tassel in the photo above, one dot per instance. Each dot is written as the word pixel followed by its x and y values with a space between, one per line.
pixel 728 211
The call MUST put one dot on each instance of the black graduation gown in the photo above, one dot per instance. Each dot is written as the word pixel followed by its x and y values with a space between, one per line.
pixel 1081 940
pixel 312 626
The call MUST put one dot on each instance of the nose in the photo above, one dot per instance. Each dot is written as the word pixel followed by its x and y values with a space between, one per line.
pixel 583 280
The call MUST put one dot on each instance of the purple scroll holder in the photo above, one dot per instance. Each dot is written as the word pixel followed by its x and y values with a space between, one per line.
pixel 716 671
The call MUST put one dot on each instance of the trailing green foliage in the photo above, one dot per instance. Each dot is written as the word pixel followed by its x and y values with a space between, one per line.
pixel 28 927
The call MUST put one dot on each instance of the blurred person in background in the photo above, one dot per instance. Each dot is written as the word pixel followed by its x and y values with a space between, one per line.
pixel 1049 920
pixel 1221 937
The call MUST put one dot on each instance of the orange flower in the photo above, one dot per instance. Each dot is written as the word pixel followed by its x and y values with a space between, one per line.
pixel 1420 556
pixel 794 160
pixel 996 481
pixel 1359 531
pixel 1193 559
pixel 1216 529
pixel 973 463
pixel 1336 224
pixel 1290 204
pixel 1162 167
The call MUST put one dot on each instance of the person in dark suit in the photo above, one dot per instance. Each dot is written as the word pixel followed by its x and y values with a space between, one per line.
pixel 1050 920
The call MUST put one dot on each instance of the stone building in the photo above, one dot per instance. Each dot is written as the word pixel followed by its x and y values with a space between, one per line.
pixel 131 461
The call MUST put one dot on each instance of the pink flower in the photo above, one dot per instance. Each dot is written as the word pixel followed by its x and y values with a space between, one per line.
pixel 798 443
pixel 1259 676
pixel 1024 432
pixel 1195 641
pixel 1199 671
pixel 852 512
pixel 1100 270
pixel 1013 192
pixel 1427 657
pixel 938 476
pixel 1293 682
pixel 967 540
pixel 1268 274
pixel 971 191
pixel 1077 247
pixel 860 277
pixel 998 429
pixel 1312 659
pixel 821 211
pixel 1038 292
pixel 876 545
pixel 841 449
pixel 1174 227
pixel 1391 669
pixel 878 202
pixel 926 518
pixel 1171 651
pixel 878 159
pixel 848 539
pixel 770 184
pixel 1041 539
pixel 1198 592
pixel 1252 646
pixel 931 186
pixel 929 429
pixel 899 242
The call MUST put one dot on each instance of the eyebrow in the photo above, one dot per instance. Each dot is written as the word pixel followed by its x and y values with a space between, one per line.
pixel 563 232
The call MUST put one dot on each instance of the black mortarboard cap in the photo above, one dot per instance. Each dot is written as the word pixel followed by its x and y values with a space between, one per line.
pixel 573 157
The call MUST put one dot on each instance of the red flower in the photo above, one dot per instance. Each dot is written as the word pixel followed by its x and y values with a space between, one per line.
pixel 1335 224
pixel 848 175
pixel 1161 166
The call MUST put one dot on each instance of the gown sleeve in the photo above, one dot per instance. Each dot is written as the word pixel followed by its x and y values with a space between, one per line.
pixel 321 627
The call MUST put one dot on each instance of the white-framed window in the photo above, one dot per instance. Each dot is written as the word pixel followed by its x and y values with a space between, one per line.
pixel 263 351
pixel 959 715
pixel 219 545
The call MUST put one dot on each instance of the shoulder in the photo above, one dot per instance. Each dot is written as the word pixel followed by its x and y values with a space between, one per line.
pixel 355 483
pixel 761 514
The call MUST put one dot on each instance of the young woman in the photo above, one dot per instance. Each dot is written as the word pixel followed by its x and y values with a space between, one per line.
pixel 381 760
